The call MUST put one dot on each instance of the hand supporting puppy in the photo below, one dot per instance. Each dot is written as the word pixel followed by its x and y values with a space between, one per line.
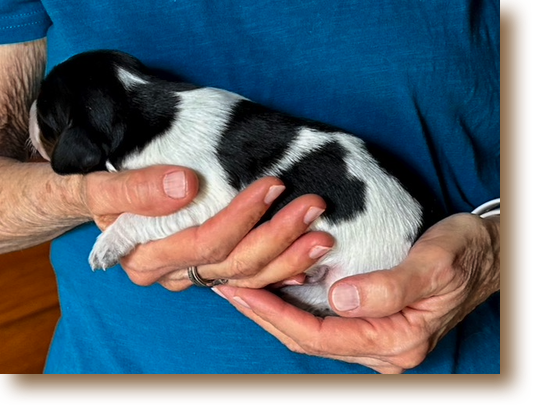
pixel 223 247
pixel 390 320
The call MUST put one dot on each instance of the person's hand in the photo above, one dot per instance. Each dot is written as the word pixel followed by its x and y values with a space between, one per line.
pixel 153 191
pixel 226 246
pixel 390 320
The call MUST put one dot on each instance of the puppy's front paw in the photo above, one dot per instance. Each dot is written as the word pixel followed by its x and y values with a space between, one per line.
pixel 108 250
pixel 102 259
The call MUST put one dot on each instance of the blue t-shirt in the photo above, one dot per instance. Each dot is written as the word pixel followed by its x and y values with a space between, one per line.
pixel 416 78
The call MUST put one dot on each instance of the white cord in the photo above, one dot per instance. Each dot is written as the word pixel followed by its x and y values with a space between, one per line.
pixel 491 208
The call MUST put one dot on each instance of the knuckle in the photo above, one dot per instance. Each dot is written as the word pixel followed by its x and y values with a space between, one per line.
pixel 393 299
pixel 209 251
pixel 214 254
pixel 412 349
pixel 411 359
pixel 137 190
pixel 313 346
pixel 135 267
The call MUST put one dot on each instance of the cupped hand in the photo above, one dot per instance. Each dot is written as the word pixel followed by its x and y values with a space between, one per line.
pixel 390 320
pixel 226 246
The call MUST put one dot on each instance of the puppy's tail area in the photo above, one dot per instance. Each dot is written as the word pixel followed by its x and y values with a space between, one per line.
pixel 312 296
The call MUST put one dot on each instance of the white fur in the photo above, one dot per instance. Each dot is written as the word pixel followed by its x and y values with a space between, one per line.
pixel 128 79
pixel 34 132
pixel 375 239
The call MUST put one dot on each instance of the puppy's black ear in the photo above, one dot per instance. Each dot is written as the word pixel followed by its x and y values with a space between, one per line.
pixel 76 153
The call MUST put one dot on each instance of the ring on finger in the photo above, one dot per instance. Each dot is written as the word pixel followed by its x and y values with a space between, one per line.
pixel 197 280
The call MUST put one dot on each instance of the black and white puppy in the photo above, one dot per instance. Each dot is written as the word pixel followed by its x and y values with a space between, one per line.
pixel 105 110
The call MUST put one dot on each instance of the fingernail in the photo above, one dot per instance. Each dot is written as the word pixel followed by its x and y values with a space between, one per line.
pixel 345 297
pixel 175 186
pixel 318 251
pixel 273 193
pixel 241 302
pixel 312 213
pixel 218 292
pixel 292 282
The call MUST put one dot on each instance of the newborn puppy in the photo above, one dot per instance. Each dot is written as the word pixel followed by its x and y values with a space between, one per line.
pixel 105 110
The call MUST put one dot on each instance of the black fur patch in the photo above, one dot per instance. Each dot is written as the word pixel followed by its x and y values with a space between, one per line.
pixel 153 111
pixel 324 173
pixel 254 141
pixel 257 138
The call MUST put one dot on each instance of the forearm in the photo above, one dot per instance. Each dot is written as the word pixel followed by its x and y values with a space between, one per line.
pixel 37 205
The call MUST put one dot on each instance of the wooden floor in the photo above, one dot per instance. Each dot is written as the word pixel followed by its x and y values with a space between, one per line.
pixel 29 309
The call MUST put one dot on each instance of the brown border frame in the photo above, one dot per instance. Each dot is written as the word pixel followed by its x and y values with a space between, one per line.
pixel 511 385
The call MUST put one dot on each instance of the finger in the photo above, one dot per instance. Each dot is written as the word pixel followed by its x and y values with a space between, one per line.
pixel 153 191
pixel 377 294
pixel 173 280
pixel 272 239
pixel 423 274
pixel 307 333
pixel 379 365
pixel 176 281
pixel 297 280
pixel 297 259
pixel 218 236
pixel 376 345
pixel 175 285
pixel 209 243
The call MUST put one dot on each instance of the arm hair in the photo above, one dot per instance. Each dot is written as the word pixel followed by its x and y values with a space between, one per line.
pixel 21 71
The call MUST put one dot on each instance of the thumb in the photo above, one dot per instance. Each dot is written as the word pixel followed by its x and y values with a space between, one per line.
pixel 152 191
pixel 380 293
pixel 429 269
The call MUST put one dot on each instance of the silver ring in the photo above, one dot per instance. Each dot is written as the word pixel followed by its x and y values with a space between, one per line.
pixel 197 280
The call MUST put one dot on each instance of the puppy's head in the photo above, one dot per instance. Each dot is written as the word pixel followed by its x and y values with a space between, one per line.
pixel 88 106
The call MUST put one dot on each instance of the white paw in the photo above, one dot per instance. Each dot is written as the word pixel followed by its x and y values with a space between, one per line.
pixel 109 248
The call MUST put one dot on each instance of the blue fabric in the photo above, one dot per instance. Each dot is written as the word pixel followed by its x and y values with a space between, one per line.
pixel 417 78
pixel 22 20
